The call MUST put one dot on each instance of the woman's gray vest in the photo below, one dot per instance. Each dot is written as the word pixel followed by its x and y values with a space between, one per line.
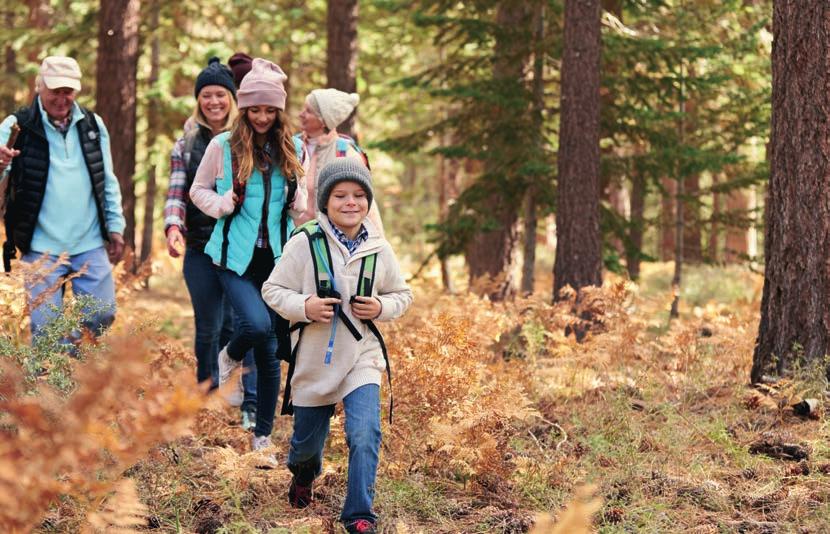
pixel 27 180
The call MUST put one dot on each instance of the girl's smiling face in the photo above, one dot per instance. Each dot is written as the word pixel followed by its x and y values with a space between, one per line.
pixel 261 118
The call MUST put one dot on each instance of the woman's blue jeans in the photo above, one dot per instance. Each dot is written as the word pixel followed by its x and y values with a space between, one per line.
pixel 311 428
pixel 255 329
pixel 213 321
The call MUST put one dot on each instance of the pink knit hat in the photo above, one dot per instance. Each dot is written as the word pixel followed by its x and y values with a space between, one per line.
pixel 263 86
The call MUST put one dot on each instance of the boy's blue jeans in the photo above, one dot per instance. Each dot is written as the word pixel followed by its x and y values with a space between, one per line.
pixel 311 428
pixel 96 282
pixel 214 322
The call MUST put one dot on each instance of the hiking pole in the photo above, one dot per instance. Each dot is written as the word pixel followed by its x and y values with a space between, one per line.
pixel 8 246
pixel 13 136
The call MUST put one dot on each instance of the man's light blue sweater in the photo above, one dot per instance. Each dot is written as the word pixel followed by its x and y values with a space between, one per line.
pixel 68 219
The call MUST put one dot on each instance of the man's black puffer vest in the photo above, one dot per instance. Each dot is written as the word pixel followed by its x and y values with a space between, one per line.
pixel 30 171
pixel 199 226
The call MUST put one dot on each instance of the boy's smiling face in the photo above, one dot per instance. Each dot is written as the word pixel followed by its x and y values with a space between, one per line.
pixel 347 206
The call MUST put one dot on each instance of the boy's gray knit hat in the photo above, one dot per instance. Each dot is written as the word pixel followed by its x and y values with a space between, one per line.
pixel 342 170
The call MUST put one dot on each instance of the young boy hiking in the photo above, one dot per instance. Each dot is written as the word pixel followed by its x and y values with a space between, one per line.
pixel 337 275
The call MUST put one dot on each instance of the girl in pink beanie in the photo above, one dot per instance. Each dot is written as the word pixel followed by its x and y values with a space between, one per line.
pixel 250 182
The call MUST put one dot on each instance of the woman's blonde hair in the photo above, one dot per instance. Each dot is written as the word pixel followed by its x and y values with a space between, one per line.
pixel 233 111
pixel 281 138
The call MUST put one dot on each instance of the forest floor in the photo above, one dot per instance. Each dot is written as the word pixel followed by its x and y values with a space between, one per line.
pixel 500 414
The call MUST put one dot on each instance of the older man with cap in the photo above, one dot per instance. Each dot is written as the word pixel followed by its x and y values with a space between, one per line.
pixel 323 112
pixel 62 197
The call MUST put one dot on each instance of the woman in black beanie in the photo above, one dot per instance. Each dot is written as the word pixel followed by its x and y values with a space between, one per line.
pixel 188 230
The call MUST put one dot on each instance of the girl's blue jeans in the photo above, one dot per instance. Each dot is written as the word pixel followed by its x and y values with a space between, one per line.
pixel 255 328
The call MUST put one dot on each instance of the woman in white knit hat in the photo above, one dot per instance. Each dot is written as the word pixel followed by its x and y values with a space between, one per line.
pixel 323 112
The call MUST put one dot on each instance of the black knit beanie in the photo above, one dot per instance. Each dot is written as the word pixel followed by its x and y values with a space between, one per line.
pixel 215 74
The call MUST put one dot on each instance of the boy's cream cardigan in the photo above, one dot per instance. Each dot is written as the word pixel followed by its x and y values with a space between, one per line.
pixel 353 363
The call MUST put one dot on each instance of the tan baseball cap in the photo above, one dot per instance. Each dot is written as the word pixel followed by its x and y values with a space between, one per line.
pixel 60 71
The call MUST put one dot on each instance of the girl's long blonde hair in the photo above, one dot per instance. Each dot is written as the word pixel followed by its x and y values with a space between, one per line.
pixel 233 112
pixel 281 138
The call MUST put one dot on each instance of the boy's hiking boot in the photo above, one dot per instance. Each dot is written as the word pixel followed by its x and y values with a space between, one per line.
pixel 227 365
pixel 299 496
pixel 361 526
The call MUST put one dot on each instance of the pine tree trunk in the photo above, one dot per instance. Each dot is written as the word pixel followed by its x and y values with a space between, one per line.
pixel 341 51
pixel 795 307
pixel 692 247
pixel 714 226
pixel 447 190
pixel 612 189
pixel 578 240
pixel 39 19
pixel 491 253
pixel 737 245
pixel 9 69
pixel 667 219
pixel 638 203
pixel 531 220
pixel 115 95
pixel 679 205
pixel 152 131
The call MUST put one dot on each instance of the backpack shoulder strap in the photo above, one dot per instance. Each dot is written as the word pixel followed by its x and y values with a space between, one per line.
pixel 89 116
pixel 366 278
pixel 315 235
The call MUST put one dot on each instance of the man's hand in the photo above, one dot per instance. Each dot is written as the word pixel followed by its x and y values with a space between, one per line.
pixel 6 155
pixel 115 249
pixel 175 242
pixel 320 310
pixel 366 308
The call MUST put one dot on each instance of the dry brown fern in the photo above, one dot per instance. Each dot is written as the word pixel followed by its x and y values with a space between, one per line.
pixel 80 445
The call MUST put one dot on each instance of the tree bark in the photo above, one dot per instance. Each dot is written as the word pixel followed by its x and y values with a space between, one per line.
pixel 9 69
pixel 152 132
pixel 447 191
pixel 737 237
pixel 692 238
pixel 612 189
pixel 115 95
pixel 491 252
pixel 714 226
pixel 531 220
pixel 667 219
pixel 795 307
pixel 679 207
pixel 341 51
pixel 579 243
pixel 637 220
pixel 39 19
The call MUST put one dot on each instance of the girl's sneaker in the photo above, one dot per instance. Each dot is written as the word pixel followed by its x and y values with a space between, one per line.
pixel 258 443
pixel 248 419
pixel 226 367
pixel 361 526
